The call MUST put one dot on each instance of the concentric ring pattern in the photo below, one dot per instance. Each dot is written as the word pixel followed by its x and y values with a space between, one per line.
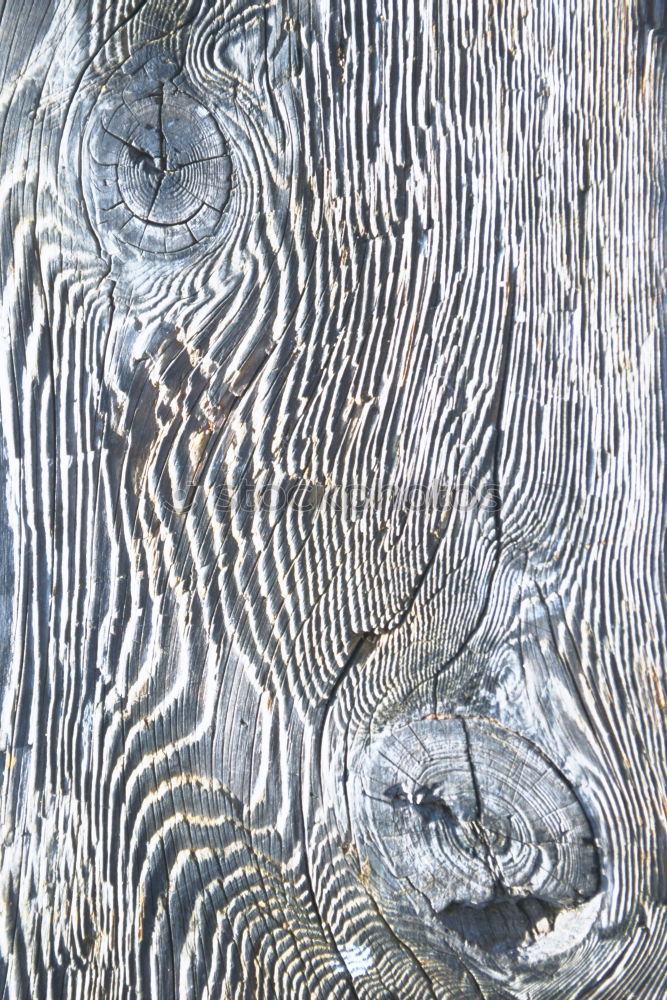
pixel 159 173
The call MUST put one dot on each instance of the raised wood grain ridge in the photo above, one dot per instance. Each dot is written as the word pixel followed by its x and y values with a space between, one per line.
pixel 332 500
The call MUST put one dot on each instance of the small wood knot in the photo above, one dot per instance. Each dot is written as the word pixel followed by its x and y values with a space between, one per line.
pixel 474 821
pixel 158 176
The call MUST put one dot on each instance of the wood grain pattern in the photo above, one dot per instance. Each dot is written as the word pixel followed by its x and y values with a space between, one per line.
pixel 332 500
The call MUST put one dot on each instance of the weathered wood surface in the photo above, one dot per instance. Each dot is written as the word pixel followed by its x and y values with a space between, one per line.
pixel 333 500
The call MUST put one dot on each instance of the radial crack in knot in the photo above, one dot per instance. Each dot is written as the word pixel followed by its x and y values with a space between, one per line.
pixel 159 171
pixel 476 821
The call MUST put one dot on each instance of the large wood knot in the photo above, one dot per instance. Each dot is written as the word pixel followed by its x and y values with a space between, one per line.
pixel 474 821
pixel 159 174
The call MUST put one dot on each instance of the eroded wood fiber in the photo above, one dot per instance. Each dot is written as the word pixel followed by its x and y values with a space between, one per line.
pixel 332 414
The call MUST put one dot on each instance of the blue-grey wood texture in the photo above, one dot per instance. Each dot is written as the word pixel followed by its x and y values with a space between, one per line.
pixel 332 500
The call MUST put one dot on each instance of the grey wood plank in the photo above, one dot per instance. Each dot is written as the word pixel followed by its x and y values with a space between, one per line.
pixel 332 500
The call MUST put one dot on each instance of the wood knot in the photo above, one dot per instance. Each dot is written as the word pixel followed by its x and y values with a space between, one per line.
pixel 477 823
pixel 158 175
